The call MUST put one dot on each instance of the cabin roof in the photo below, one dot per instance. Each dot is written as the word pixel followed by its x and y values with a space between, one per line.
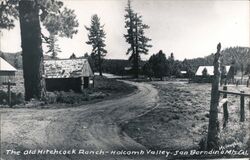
pixel 67 68
pixel 210 70
pixel 5 66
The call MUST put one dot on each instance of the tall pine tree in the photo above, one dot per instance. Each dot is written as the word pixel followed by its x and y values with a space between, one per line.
pixel 32 49
pixel 59 22
pixel 53 47
pixel 30 13
pixel 8 13
pixel 96 38
pixel 135 37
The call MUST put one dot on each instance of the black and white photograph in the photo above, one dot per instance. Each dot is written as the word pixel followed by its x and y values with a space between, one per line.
pixel 124 79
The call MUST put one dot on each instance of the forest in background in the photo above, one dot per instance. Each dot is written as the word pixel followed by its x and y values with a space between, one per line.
pixel 237 56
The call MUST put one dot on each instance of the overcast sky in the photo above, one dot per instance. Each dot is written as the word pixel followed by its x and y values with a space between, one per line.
pixel 188 28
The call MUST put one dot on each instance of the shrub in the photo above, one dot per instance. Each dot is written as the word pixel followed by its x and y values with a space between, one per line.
pixel 16 98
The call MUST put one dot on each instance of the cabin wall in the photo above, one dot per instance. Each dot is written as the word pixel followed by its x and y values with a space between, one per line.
pixel 64 84
pixel 5 76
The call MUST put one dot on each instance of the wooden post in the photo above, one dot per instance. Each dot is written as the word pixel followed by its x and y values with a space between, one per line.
pixel 242 109
pixel 9 94
pixel 9 84
pixel 225 109
pixel 213 127
pixel 249 106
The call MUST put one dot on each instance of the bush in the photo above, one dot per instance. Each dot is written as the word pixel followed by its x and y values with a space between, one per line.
pixel 16 98
pixel 67 97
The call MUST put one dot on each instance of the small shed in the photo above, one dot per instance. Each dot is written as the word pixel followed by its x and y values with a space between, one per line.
pixel 7 71
pixel 67 74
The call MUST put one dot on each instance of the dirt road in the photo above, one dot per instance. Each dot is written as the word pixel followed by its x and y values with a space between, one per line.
pixel 92 127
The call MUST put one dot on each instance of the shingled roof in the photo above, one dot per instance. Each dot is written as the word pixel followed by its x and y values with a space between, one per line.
pixel 67 68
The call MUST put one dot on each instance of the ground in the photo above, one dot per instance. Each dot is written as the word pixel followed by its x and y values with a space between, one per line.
pixel 180 121
pixel 159 115
pixel 89 127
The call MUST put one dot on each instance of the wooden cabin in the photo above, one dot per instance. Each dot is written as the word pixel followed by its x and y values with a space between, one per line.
pixel 204 74
pixel 7 72
pixel 67 74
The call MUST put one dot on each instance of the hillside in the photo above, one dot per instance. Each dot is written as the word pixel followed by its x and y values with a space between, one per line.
pixel 230 56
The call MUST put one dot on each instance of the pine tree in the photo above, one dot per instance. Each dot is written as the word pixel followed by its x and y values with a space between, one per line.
pixel 58 21
pixel 159 64
pixel 135 37
pixel 53 47
pixel 204 72
pixel 171 64
pixel 8 13
pixel 32 49
pixel 72 56
pixel 96 38
pixel 30 13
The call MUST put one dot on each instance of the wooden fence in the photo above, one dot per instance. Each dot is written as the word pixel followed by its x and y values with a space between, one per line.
pixel 224 101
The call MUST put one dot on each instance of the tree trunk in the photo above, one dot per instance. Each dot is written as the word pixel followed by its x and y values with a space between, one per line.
pixel 32 53
pixel 136 65
pixel 99 63
pixel 242 72
pixel 213 127
pixel 136 50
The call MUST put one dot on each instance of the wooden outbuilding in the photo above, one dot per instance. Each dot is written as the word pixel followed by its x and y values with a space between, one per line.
pixel 206 73
pixel 67 74
pixel 7 72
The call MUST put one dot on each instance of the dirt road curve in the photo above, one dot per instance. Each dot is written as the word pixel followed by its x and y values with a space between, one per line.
pixel 90 127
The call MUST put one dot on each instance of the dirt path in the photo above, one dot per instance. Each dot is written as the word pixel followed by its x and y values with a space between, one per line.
pixel 90 127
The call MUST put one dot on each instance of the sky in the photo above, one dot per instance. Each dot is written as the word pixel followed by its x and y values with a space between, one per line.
pixel 188 28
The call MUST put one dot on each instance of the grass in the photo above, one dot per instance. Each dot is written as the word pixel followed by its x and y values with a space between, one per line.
pixel 180 121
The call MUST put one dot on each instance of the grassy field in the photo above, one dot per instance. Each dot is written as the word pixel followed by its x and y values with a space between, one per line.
pixel 180 121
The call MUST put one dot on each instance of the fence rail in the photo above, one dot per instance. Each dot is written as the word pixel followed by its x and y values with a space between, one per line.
pixel 234 93
pixel 224 101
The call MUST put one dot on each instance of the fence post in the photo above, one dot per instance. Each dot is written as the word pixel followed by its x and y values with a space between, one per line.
pixel 9 94
pixel 93 81
pixel 242 109
pixel 213 126
pixel 225 109
pixel 249 106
